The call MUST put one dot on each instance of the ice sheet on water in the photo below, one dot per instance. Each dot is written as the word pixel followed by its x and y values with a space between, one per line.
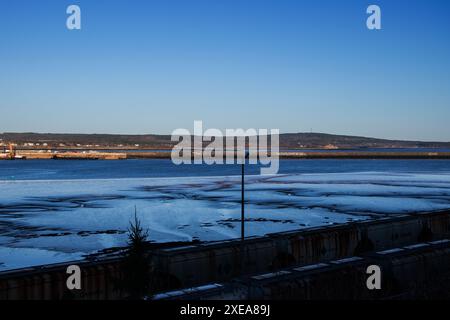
pixel 14 258
pixel 58 220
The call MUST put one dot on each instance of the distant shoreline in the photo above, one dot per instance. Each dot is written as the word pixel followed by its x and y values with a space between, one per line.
pixel 166 154
pixel 292 141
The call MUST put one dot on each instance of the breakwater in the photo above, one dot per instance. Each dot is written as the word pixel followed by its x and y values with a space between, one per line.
pixel 129 154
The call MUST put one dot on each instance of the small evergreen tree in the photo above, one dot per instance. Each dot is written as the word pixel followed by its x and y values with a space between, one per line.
pixel 136 266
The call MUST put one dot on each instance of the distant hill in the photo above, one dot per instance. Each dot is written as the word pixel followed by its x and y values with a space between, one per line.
pixel 312 140
pixel 287 141
pixel 99 140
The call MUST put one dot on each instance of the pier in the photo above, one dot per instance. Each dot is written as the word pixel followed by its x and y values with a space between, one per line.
pixel 27 155
pixel 166 154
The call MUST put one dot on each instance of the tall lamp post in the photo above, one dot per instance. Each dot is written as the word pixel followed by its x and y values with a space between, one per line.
pixel 242 201
pixel 246 156
pixel 242 264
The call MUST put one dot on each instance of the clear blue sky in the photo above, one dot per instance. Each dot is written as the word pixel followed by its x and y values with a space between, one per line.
pixel 154 66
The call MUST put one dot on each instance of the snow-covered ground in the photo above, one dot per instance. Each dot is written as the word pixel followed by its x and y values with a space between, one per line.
pixel 60 220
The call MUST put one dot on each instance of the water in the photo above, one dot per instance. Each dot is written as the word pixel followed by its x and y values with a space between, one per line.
pixel 56 211
pixel 153 168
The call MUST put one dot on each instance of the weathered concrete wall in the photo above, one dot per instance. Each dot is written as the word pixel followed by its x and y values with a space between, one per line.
pixel 49 282
pixel 420 272
pixel 410 274
pixel 223 261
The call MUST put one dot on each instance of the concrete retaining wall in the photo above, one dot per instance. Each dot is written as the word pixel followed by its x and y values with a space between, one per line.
pixel 225 260
pixel 415 272
pixel 222 261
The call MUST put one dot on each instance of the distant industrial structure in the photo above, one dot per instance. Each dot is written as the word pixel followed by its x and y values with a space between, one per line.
pixel 9 152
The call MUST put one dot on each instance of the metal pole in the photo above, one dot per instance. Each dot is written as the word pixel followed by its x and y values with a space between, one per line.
pixel 242 204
